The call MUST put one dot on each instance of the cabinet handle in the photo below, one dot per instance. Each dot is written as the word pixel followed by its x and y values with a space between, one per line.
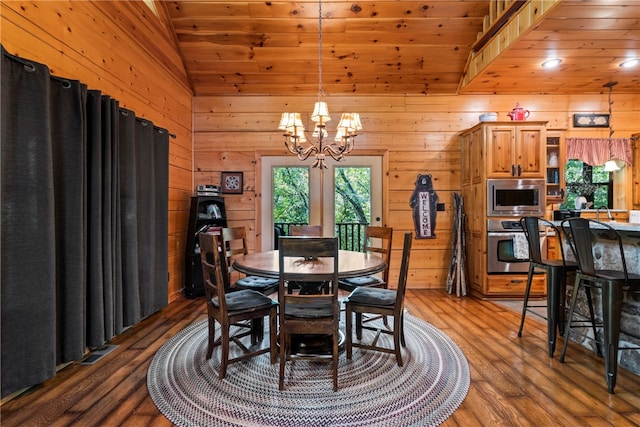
pixel 562 193
pixel 517 281
pixel 519 170
pixel 513 170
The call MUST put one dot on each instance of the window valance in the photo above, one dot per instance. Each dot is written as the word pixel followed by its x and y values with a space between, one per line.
pixel 597 151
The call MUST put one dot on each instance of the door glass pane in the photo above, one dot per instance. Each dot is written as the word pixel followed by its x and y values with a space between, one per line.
pixel 290 196
pixel 352 204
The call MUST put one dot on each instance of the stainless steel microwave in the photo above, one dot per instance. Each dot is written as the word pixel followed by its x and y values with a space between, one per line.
pixel 515 197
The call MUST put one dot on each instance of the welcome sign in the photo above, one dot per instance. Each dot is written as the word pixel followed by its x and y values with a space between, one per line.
pixel 424 202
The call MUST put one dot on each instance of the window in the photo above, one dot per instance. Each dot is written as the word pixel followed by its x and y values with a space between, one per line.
pixel 340 198
pixel 291 195
pixel 592 182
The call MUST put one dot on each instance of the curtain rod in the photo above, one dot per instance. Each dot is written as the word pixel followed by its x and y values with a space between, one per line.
pixel 125 111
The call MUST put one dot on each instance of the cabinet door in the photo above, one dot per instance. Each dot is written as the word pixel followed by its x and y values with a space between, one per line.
pixel 528 152
pixel 477 155
pixel 476 215
pixel 500 143
pixel 465 143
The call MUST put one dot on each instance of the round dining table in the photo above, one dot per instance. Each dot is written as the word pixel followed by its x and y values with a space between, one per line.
pixel 350 264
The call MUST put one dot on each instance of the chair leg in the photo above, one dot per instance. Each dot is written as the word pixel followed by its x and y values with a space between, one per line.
pixel 562 303
pixel 257 330
pixel 212 337
pixel 273 335
pixel 397 339
pixel 526 298
pixel 593 320
pixel 359 325
pixel 349 331
pixel 224 351
pixel 283 359
pixel 336 338
pixel 611 307
pixel 554 277
pixel 567 330
pixel 400 325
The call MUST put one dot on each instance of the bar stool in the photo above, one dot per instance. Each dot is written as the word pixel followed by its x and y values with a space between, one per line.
pixel 612 281
pixel 556 271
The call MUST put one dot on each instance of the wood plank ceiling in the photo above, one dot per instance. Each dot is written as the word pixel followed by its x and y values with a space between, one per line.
pixel 402 47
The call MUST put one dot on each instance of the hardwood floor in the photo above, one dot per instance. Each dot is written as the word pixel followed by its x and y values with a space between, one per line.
pixel 513 381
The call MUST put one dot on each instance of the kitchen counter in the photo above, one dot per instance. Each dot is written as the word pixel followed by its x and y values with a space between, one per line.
pixel 616 225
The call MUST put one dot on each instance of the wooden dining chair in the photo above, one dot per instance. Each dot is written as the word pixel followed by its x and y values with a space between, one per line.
pixel 308 314
pixel 234 240
pixel 244 308
pixel 379 301
pixel 372 234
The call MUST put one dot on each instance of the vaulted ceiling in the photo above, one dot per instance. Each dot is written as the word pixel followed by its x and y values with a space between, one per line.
pixel 407 47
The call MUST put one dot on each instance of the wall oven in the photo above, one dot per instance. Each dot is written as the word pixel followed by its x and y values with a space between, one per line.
pixel 507 247
pixel 515 197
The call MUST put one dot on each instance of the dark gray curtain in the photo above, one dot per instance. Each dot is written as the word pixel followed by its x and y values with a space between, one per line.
pixel 28 258
pixel 84 221
pixel 159 235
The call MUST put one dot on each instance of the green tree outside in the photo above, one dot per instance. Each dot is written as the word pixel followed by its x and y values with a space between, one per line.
pixel 291 195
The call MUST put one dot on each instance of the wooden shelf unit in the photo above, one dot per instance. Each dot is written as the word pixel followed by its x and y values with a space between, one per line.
pixel 555 165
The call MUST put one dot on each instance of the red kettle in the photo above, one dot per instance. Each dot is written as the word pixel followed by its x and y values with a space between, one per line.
pixel 518 113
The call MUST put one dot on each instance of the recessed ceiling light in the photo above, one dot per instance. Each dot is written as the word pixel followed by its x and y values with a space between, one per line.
pixel 551 63
pixel 631 62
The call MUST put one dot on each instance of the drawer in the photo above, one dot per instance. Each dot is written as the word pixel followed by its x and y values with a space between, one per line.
pixel 514 285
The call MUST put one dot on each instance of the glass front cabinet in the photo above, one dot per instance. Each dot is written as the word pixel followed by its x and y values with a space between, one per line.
pixel 555 161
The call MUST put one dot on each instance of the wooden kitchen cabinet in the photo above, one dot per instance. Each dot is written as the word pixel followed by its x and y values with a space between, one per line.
pixel 508 150
pixel 515 151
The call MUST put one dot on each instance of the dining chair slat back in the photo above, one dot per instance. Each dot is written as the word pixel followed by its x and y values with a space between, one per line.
pixel 383 237
pixel 234 241
pixel 305 230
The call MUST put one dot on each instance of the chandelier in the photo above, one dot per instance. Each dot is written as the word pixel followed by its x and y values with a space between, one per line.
pixel 294 137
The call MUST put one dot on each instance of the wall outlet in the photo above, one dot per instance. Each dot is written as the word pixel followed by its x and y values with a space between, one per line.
pixel 440 206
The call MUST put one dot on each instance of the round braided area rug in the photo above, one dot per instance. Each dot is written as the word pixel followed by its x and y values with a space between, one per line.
pixel 372 389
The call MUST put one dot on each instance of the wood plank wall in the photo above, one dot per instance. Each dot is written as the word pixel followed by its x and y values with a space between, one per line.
pixel 133 58
pixel 420 134
pixel 123 50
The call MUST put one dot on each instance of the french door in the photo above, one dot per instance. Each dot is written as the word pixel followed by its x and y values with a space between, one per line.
pixel 319 191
